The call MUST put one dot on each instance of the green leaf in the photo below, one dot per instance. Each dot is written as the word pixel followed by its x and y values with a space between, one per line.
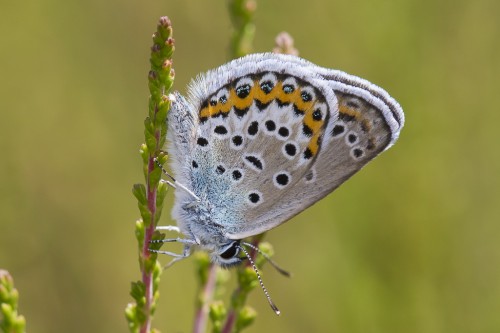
pixel 145 213
pixel 154 177
pixel 137 290
pixel 139 191
pixel 151 141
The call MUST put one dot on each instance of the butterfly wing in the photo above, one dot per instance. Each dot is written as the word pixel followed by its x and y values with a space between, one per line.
pixel 367 123
pixel 262 138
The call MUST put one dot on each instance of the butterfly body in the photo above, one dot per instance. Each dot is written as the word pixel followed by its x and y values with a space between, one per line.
pixel 262 138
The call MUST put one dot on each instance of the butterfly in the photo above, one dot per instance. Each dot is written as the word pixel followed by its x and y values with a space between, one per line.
pixel 262 138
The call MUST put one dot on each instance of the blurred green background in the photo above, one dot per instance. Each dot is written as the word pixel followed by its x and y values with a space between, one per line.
pixel 410 244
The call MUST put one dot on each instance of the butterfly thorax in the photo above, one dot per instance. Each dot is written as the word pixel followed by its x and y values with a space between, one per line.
pixel 198 221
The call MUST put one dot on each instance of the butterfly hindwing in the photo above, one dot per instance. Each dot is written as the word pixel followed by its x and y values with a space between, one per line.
pixel 368 122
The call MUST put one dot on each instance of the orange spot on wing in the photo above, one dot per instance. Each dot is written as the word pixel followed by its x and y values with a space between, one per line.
pixel 313 144
pixel 303 105
pixel 241 103
pixel 206 112
pixel 317 127
pixel 226 107
pixel 366 125
pixel 349 112
pixel 277 93
pixel 261 96
pixel 364 122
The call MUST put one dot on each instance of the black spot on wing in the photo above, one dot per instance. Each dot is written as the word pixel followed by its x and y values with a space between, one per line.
pixel 255 161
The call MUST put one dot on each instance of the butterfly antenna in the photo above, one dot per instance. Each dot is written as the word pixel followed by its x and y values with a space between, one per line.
pixel 176 184
pixel 271 261
pixel 274 307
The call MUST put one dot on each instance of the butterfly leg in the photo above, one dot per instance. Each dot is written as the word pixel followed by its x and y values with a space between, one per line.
pixel 188 243
pixel 184 241
pixel 173 228
pixel 175 184
pixel 185 253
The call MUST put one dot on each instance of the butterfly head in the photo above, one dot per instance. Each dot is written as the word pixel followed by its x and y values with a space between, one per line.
pixel 228 254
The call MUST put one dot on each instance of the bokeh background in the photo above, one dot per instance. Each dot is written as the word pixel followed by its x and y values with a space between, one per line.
pixel 410 244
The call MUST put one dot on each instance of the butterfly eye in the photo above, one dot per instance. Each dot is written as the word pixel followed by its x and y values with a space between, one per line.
pixel 230 251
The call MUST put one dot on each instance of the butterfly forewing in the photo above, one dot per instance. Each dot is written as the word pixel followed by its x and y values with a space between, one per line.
pixel 258 136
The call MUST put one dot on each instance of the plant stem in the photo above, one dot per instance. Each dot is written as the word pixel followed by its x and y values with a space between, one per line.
pixel 231 318
pixel 147 275
pixel 207 295
pixel 240 294
pixel 241 14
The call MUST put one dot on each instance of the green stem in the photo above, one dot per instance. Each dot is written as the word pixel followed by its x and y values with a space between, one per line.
pixel 241 14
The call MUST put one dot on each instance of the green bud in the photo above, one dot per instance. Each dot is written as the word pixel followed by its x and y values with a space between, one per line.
pixel 144 151
pixel 202 264
pixel 20 324
pixel 217 313
pixel 163 108
pixel 130 311
pixel 162 157
pixel 266 248
pixel 170 42
pixel 166 66
pixel 158 269
pixel 4 293
pixel 156 57
pixel 139 232
pixel 245 318
pixel 164 27
pixel 170 82
pixel 217 310
pixel 247 278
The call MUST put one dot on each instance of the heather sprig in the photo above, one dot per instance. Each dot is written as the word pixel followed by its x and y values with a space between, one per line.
pixel 10 321
pixel 150 196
